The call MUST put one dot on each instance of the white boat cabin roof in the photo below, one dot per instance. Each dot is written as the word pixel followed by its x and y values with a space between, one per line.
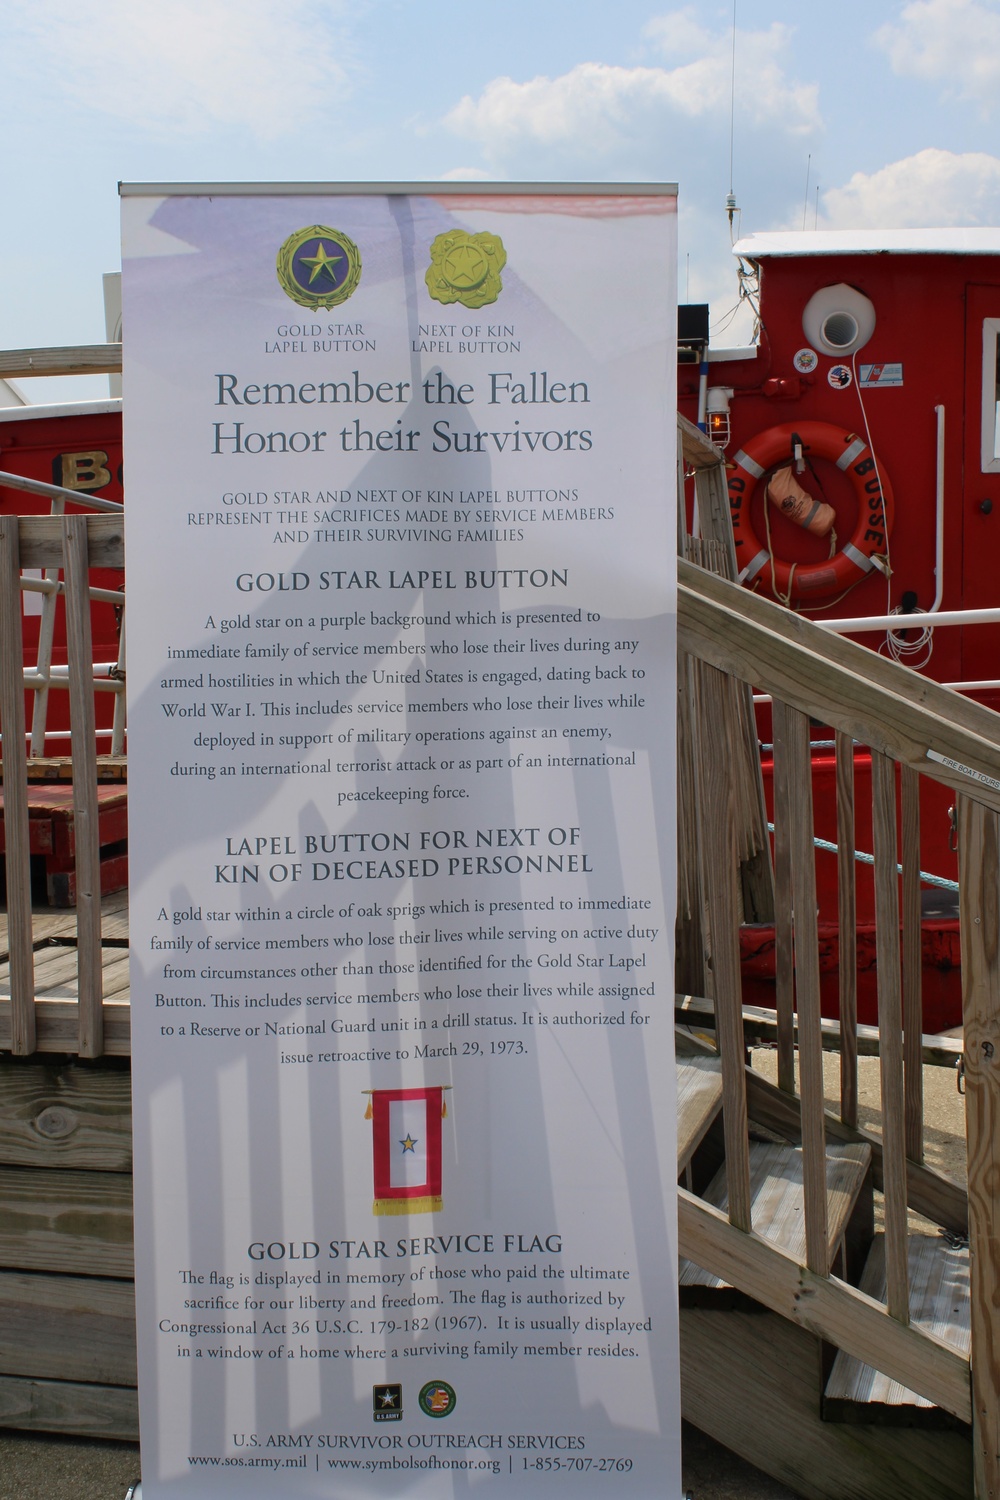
pixel 869 242
pixel 61 409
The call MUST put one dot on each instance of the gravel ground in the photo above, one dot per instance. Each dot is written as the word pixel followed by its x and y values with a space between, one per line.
pixel 944 1106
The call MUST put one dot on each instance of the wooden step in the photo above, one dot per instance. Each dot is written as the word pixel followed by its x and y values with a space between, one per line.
pixel 778 1205
pixel 699 1099
pixel 939 1302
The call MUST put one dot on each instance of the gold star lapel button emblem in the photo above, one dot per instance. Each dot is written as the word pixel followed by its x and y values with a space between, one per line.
pixel 319 266
pixel 321 262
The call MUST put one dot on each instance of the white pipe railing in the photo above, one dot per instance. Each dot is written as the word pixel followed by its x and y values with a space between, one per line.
pixel 109 676
pixel 939 515
pixel 56 586
pixel 57 492
pixel 917 620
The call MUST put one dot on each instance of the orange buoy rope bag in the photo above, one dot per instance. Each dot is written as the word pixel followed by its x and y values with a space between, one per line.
pixel 778 448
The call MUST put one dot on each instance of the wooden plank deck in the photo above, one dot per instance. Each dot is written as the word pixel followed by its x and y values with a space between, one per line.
pixel 939 1302
pixel 49 924
pixel 57 983
pixel 68 1222
pixel 56 1114
pixel 56 973
pixel 67 1328
pixel 776 1185
pixel 699 1099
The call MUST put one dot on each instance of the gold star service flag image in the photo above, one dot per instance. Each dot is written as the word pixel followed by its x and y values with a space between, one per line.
pixel 406 1149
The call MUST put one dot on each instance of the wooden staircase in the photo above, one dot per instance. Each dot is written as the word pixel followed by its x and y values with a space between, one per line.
pixel 939 1302
pixel 844 1363
pixel 820 1419
pixel 699 1100
pixel 778 1212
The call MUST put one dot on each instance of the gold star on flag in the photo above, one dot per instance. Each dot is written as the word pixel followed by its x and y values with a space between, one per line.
pixel 409 1144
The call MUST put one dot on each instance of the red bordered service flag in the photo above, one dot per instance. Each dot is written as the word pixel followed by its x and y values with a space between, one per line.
pixel 406 1149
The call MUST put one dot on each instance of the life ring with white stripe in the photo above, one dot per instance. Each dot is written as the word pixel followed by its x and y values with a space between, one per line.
pixel 756 565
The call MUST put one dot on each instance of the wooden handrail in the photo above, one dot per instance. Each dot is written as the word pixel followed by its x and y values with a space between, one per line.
pixel 41 541
pixel 79 359
pixel 887 706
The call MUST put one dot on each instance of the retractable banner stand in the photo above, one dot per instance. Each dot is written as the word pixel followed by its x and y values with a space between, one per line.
pixel 401 583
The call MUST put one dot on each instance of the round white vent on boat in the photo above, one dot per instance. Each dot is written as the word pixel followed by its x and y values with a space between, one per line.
pixel 838 319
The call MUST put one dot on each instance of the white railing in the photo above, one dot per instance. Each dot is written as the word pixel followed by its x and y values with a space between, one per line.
pixel 107 676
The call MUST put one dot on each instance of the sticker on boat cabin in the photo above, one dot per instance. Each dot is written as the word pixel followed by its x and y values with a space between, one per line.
pixel 880 375
pixel 839 376
pixel 805 361
pixel 956 765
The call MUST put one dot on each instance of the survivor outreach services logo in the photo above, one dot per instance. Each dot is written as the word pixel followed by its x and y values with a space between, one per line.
pixel 319 267
pixel 437 1398
pixel 466 268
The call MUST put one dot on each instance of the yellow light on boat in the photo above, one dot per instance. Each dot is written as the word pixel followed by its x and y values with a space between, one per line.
pixel 717 414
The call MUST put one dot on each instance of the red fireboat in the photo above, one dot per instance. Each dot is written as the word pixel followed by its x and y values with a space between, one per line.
pixel 862 437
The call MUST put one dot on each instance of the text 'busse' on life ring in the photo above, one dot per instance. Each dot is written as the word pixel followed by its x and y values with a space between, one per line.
pixel 757 566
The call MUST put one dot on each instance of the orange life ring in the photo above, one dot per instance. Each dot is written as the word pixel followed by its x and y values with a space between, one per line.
pixel 800 581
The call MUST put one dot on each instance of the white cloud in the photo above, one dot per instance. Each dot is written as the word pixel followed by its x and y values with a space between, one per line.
pixel 604 117
pixel 184 67
pixel 679 33
pixel 952 42
pixel 931 189
pixel 465 174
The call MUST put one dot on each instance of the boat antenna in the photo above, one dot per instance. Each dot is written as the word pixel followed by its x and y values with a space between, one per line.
pixel 805 200
pixel 731 208
pixel 747 275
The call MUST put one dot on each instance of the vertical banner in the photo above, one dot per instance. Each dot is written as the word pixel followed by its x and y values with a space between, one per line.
pixel 401 584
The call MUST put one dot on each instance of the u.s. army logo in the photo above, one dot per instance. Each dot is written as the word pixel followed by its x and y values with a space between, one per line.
pixel 319 267
pixel 466 268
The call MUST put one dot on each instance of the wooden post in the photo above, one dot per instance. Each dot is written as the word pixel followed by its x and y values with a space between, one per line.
pixel 715 523
pixel 795 735
pixel 88 852
pixel 913 1074
pixel 890 1022
pixel 847 913
pixel 979 911
pixel 689 959
pixel 784 981
pixel 720 882
pixel 15 794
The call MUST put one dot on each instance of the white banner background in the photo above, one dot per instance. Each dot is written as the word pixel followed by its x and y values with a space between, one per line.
pixel 513 705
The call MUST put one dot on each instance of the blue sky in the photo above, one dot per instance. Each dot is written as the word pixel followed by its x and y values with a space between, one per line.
pixel 895 103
